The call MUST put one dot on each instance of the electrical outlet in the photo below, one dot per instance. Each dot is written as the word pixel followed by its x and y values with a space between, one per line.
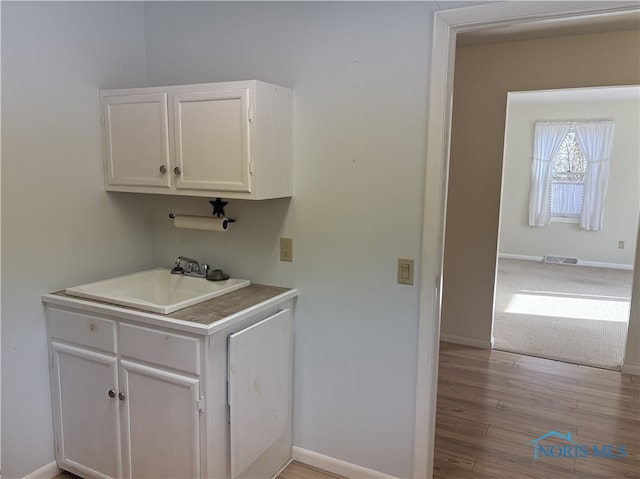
pixel 286 249
pixel 620 244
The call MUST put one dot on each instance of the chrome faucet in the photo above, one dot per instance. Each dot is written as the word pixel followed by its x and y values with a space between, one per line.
pixel 190 267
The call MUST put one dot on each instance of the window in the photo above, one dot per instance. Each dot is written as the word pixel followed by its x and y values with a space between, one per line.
pixel 580 190
pixel 567 180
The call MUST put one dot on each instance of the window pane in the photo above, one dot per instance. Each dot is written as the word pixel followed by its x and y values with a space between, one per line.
pixel 566 199
pixel 567 178
pixel 570 163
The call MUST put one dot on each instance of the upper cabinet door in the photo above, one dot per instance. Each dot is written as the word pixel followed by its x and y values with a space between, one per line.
pixel 136 139
pixel 212 140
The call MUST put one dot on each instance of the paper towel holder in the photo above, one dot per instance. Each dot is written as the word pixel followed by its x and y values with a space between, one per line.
pixel 218 210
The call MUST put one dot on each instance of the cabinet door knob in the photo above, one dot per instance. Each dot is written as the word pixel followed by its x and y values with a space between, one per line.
pixel 111 393
pixel 163 169
pixel 176 170
pixel 121 396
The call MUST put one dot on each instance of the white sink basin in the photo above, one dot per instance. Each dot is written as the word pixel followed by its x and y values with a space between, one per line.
pixel 156 290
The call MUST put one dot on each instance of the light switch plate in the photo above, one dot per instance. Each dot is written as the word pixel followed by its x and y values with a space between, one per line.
pixel 405 271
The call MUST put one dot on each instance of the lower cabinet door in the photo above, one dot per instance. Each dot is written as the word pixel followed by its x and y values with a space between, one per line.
pixel 260 368
pixel 160 423
pixel 86 411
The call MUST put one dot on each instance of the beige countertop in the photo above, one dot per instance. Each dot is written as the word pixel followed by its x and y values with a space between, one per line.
pixel 204 314
pixel 228 304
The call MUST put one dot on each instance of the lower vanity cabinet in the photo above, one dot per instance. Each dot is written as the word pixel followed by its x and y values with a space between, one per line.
pixel 136 401
pixel 121 418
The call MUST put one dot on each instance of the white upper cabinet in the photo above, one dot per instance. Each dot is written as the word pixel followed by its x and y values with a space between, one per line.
pixel 230 139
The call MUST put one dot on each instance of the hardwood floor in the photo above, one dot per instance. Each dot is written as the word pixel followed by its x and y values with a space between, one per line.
pixel 493 404
pixel 295 470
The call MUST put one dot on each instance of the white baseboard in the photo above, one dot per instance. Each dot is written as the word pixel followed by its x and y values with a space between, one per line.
pixel 520 256
pixel 598 264
pixel 476 343
pixel 631 369
pixel 48 471
pixel 593 264
pixel 335 466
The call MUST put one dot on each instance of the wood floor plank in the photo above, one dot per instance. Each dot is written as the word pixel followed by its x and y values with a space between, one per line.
pixel 501 370
pixel 297 470
pixel 614 409
pixel 455 458
pixel 446 470
pixel 629 438
pixel 568 390
pixel 574 417
pixel 452 423
pixel 505 392
pixel 497 450
pixel 501 390
pixel 530 470
pixel 604 470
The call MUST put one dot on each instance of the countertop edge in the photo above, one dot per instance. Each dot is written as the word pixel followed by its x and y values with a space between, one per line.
pixel 162 320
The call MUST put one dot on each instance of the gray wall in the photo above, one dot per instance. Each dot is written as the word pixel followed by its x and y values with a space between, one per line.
pixel 59 227
pixel 360 76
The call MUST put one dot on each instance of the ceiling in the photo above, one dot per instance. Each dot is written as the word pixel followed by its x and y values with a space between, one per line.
pixel 572 95
pixel 609 22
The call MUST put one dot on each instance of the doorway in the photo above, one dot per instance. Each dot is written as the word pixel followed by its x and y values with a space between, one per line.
pixel 563 292
pixel 510 17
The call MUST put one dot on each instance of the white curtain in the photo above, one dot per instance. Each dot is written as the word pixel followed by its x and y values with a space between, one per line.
pixel 596 140
pixel 566 199
pixel 548 137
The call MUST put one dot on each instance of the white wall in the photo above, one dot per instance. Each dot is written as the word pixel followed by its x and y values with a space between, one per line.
pixel 359 75
pixel 623 198
pixel 59 227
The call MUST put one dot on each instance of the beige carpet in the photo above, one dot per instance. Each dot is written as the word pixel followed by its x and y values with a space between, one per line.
pixel 576 314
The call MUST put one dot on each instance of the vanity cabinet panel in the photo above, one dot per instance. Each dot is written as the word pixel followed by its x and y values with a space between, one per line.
pixel 161 423
pixel 84 387
pixel 162 348
pixel 260 372
pixel 136 140
pixel 84 329
pixel 229 139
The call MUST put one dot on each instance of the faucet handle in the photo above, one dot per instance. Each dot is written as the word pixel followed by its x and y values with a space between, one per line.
pixel 204 268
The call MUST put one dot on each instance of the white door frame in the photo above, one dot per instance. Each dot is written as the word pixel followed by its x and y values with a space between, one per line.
pixel 447 24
